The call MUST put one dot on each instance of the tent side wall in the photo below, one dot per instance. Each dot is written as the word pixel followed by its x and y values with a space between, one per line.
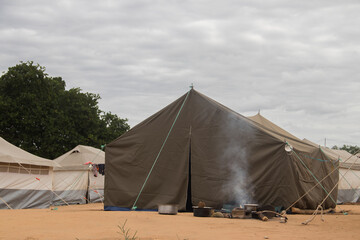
pixel 21 189
pixel 349 186
pixel 129 159
pixel 313 162
pixel 96 188
pixel 70 186
pixel 236 160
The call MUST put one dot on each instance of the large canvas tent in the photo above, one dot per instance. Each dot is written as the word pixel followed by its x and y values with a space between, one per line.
pixel 76 180
pixel 197 149
pixel 26 179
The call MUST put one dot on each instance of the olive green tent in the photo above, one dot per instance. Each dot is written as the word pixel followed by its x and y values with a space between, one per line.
pixel 197 149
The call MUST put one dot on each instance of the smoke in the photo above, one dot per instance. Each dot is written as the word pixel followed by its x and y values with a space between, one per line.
pixel 238 188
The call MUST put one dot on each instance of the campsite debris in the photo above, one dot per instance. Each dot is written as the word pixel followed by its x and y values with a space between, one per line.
pixel 218 215
pixel 309 211
pixel 263 217
pixel 238 213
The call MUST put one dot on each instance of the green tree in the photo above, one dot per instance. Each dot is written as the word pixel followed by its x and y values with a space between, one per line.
pixel 113 126
pixel 349 148
pixel 41 117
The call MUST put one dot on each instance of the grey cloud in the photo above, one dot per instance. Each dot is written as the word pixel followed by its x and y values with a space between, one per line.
pixel 296 61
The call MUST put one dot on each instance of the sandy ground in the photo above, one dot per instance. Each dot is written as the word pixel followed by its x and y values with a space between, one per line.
pixel 91 222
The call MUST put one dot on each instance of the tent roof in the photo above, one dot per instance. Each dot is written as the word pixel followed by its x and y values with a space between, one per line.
pixel 257 121
pixel 76 158
pixel 278 132
pixel 11 154
pixel 345 158
pixel 328 152
pixel 270 125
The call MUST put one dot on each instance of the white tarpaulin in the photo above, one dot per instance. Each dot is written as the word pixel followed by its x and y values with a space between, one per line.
pixel 349 174
pixel 26 179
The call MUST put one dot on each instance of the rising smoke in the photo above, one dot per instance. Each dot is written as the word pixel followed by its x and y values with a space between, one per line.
pixel 235 155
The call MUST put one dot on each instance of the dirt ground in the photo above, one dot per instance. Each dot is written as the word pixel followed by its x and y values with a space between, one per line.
pixel 91 222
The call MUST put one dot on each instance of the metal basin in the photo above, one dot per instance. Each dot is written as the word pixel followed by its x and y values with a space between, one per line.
pixel 169 209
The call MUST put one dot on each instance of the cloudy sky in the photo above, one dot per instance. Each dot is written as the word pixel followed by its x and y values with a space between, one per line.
pixel 296 61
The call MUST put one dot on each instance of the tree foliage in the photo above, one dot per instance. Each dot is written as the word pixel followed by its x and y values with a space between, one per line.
pixel 349 148
pixel 39 115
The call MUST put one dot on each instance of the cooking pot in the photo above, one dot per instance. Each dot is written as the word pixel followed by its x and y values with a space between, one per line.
pixel 202 212
pixel 250 207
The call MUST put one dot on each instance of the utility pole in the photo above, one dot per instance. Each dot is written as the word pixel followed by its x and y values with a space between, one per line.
pixel 325 142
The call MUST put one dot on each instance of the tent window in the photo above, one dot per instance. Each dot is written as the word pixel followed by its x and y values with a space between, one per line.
pixel 44 172
pixel 35 171
pixel 14 169
pixel 4 167
pixel 24 169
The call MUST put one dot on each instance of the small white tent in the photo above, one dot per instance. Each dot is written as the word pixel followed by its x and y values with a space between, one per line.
pixel 26 179
pixel 75 180
pixel 349 174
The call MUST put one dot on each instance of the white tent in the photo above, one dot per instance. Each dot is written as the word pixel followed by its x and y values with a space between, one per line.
pixel 349 186
pixel 75 180
pixel 349 174
pixel 26 179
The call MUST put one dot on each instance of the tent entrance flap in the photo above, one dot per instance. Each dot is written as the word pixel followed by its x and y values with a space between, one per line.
pixel 189 196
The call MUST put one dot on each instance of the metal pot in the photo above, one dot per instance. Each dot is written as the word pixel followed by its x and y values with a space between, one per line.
pixel 202 212
pixel 169 209
pixel 250 207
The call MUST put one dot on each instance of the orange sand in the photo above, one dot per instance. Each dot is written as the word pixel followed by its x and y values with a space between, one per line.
pixel 91 222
